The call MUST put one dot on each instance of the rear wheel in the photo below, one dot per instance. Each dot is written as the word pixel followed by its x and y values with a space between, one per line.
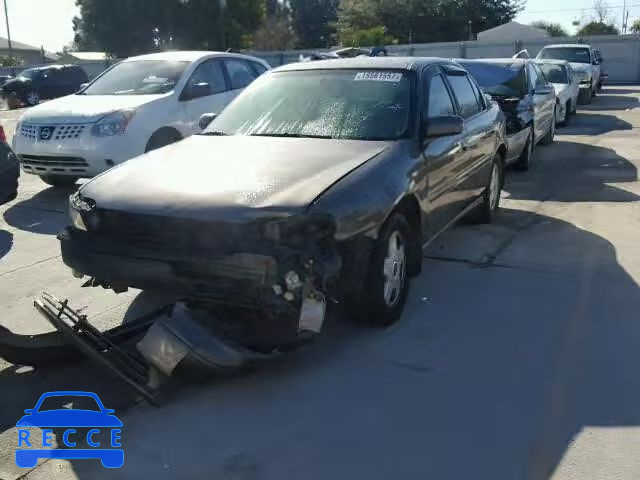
pixel 59 180
pixel 567 114
pixel 387 280
pixel 524 161
pixel 491 196
pixel 551 133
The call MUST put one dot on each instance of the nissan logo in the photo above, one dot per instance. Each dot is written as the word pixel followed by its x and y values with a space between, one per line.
pixel 46 133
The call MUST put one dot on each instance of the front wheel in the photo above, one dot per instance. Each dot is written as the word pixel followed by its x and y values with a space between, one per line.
pixel 59 180
pixel 387 279
pixel 567 114
pixel 32 98
pixel 524 161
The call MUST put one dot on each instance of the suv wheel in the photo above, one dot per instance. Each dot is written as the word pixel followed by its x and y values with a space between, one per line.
pixel 491 196
pixel 548 138
pixel 32 98
pixel 387 279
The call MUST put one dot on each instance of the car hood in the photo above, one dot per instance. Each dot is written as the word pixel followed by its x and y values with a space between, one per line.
pixel 231 178
pixel 84 108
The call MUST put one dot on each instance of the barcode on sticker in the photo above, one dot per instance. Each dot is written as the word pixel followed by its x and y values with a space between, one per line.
pixel 378 76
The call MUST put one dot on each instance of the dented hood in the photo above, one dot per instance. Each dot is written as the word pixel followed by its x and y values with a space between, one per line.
pixel 229 178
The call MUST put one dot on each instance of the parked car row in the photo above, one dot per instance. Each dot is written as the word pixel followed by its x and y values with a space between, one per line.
pixel 321 181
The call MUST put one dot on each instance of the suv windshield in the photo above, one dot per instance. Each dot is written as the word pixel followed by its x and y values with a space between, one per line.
pixel 554 73
pixel 141 77
pixel 499 79
pixel 346 104
pixel 570 54
pixel 30 73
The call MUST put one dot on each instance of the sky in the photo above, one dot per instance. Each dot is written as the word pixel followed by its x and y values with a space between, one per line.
pixel 48 22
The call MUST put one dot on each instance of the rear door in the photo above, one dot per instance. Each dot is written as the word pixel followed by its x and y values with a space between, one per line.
pixel 196 99
pixel 442 155
pixel 477 138
pixel 239 73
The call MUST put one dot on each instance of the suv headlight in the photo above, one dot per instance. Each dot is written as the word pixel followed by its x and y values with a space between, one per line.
pixel 583 77
pixel 113 124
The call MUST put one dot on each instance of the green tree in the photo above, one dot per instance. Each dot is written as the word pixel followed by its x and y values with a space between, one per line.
pixel 597 28
pixel 420 21
pixel 127 27
pixel 553 29
pixel 313 21
pixel 635 26
pixel 8 61
pixel 274 34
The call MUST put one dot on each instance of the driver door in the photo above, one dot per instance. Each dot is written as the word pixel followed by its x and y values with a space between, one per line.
pixel 206 91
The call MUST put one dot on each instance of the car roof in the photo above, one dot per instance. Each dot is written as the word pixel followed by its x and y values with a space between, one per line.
pixel 189 56
pixel 567 45
pixel 366 63
pixel 505 61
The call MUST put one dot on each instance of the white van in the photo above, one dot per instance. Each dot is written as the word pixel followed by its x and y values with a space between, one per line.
pixel 138 105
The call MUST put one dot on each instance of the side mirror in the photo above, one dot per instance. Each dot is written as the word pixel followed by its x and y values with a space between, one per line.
pixel 443 126
pixel 206 119
pixel 543 90
pixel 198 90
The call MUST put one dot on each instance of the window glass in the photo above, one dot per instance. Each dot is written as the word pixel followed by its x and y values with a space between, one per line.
pixel 344 104
pixel 555 73
pixel 464 93
pixel 209 71
pixel 239 72
pixel 570 54
pixel 138 77
pixel 260 68
pixel 533 77
pixel 439 100
pixel 541 79
pixel 502 79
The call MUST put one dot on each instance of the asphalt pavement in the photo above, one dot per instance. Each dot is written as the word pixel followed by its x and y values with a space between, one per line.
pixel 516 356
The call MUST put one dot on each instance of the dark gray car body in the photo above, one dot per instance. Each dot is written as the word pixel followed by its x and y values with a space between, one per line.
pixel 223 218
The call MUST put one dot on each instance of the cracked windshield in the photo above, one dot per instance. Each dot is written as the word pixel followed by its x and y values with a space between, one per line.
pixel 311 239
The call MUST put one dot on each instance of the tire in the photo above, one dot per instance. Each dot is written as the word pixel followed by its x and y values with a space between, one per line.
pixel 32 98
pixel 567 114
pixel 524 161
pixel 387 280
pixel 162 138
pixel 59 180
pixel 548 138
pixel 491 196
pixel 585 97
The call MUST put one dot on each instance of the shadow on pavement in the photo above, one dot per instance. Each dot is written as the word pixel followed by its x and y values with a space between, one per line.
pixel 585 123
pixel 6 242
pixel 44 213
pixel 612 100
pixel 574 172
pixel 500 366
pixel 27 384
pixel 618 91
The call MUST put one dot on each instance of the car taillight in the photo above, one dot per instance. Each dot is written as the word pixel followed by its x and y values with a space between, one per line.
pixel 3 137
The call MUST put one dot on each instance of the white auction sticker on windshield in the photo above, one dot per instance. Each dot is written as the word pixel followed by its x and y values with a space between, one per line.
pixel 378 77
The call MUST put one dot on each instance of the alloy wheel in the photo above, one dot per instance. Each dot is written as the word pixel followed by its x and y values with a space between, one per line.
pixel 395 265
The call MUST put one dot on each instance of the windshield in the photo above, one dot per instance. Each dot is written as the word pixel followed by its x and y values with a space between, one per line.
pixel 554 73
pixel 30 74
pixel 570 54
pixel 499 79
pixel 346 104
pixel 141 77
pixel 75 402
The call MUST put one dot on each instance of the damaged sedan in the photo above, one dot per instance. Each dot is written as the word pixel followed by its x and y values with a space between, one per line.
pixel 320 183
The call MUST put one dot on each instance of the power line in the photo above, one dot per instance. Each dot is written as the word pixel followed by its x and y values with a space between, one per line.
pixel 610 7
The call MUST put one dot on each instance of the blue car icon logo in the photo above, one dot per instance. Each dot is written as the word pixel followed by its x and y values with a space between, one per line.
pixel 44 417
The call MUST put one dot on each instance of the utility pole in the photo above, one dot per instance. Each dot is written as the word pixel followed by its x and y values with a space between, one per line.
pixel 222 5
pixel 470 30
pixel 624 21
pixel 6 17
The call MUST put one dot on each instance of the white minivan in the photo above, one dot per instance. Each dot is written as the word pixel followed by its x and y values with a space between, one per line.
pixel 138 105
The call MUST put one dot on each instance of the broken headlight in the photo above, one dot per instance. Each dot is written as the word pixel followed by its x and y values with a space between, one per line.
pixel 82 212
pixel 298 229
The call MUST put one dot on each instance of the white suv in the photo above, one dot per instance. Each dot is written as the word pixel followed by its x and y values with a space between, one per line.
pixel 584 64
pixel 138 105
